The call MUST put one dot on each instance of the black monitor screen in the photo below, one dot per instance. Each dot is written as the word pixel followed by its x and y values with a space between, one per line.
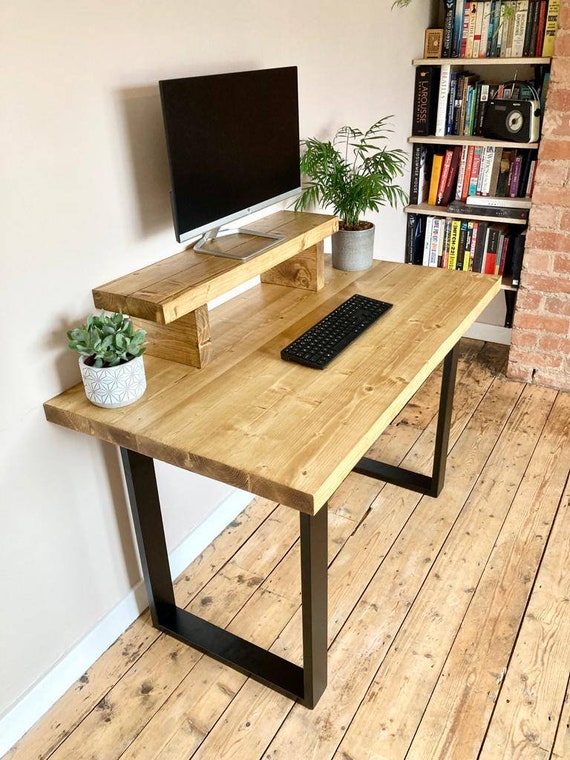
pixel 233 145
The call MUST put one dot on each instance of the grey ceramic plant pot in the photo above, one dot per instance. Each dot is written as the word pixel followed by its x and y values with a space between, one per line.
pixel 352 250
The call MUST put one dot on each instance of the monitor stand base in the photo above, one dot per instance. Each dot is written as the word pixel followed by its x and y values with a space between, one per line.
pixel 250 243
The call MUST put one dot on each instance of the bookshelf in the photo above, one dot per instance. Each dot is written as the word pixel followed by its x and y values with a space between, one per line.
pixel 492 71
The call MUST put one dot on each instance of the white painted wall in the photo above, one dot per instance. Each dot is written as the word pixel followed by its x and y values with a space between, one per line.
pixel 84 199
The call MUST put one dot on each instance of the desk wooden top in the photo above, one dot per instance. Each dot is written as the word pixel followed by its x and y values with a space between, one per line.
pixel 277 429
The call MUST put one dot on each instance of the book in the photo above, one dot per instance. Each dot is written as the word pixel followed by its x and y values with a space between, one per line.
pixel 498 201
pixel 507 33
pixel 415 237
pixel 490 253
pixel 425 101
pixel 453 246
pixel 477 30
pixel 417 182
pixel 530 23
pixel 485 28
pixel 447 45
pixel 444 175
pixel 469 25
pixel 463 229
pixel 440 242
pixel 500 31
pixel 475 169
pixel 507 158
pixel 435 232
pixel 442 100
pixel 540 26
pixel 449 189
pixel 479 249
pixel 534 28
pixel 451 103
pixel 530 182
pixel 497 212
pixel 552 14
pixel 410 226
pixel 496 168
pixel 468 82
pixel 521 13
pixel 436 167
pixel 515 176
pixel 458 28
pixel 467 174
pixel 480 107
pixel 492 44
pixel 461 171
pixel 465 30
pixel 427 240
pixel 507 244
pixel 472 243
pixel 443 259
pixel 517 258
pixel 487 163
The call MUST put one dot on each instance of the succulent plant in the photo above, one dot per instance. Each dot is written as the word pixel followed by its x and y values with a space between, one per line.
pixel 107 340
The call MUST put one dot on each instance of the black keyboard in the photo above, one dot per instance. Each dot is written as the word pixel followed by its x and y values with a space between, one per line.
pixel 324 341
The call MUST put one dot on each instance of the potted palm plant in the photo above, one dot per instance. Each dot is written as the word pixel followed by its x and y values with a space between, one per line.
pixel 352 174
pixel 110 360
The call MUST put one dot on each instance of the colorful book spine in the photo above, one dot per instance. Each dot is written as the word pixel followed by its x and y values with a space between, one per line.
pixel 444 175
pixel 425 101
pixel 447 45
pixel 453 247
pixel 550 28
pixel 485 29
pixel 442 100
pixel 427 240
pixel 541 26
pixel 436 167
pixel 521 15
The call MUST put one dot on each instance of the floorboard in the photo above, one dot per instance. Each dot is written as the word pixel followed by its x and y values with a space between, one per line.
pixel 448 617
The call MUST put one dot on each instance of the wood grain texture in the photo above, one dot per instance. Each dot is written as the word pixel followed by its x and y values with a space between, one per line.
pixel 417 658
pixel 307 270
pixel 533 694
pixel 280 430
pixel 465 696
pixel 165 291
pixel 186 340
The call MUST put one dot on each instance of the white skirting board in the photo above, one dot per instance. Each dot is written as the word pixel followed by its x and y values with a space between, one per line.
pixel 37 701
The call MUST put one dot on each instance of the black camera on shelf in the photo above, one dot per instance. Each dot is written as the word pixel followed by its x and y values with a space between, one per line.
pixel 514 120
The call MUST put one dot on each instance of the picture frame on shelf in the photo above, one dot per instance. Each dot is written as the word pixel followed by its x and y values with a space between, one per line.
pixel 433 43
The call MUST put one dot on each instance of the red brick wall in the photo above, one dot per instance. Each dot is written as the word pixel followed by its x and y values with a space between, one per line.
pixel 540 348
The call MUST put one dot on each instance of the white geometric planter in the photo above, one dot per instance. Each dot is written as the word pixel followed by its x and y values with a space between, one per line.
pixel 112 387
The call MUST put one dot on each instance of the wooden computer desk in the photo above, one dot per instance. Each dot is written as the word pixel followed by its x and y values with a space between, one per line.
pixel 283 431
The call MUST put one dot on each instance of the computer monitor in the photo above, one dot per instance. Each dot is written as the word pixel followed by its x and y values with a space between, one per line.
pixel 233 149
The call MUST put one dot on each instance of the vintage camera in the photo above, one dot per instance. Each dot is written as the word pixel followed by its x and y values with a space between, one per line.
pixel 515 120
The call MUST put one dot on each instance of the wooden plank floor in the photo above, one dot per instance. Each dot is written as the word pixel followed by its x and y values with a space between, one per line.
pixel 449 626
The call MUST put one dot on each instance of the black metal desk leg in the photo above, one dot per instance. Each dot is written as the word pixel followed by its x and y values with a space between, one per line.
pixel 304 684
pixel 415 481
pixel 444 421
pixel 314 599
pixel 145 506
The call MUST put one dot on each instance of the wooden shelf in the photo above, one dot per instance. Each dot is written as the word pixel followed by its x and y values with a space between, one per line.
pixel 469 140
pixel 429 210
pixel 169 299
pixel 481 61
pixel 175 286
